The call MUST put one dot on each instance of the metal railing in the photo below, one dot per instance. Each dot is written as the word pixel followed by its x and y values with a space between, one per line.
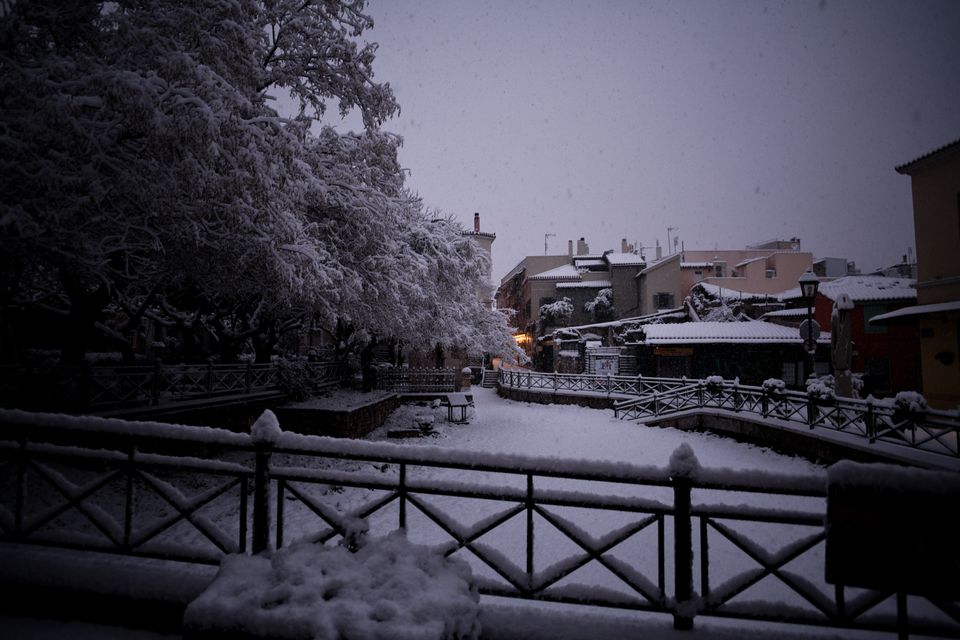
pixel 407 380
pixel 587 383
pixel 111 387
pixel 932 431
pixel 194 494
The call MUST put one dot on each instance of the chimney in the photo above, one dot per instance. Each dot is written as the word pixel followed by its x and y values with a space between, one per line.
pixel 659 251
pixel 582 248
pixel 476 223
pixel 570 248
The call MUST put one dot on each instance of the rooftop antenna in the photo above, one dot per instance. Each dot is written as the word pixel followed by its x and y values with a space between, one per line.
pixel 545 236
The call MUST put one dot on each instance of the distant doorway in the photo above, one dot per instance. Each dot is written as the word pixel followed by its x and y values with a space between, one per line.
pixel 673 366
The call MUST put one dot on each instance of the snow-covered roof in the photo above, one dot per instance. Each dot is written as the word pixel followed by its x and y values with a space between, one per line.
pixel 785 313
pixel 590 262
pixel 588 256
pixel 732 294
pixel 695 265
pixel 557 273
pixel 587 284
pixel 917 310
pixel 624 259
pixel 863 289
pixel 656 264
pixel 753 332
pixel 744 263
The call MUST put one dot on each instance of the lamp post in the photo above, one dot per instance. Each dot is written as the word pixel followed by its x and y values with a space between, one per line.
pixel 808 289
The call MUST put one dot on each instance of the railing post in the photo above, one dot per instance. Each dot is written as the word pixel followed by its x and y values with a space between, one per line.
pixel 155 384
pixel 21 496
pixel 870 422
pixel 209 380
pixel 261 498
pixel 129 499
pixel 529 504
pixel 811 411
pixel 683 555
pixel 402 491
pixel 248 377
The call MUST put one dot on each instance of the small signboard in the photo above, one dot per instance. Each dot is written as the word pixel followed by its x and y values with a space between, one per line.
pixel 809 333
pixel 673 351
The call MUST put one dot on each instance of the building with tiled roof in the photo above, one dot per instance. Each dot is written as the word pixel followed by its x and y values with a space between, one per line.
pixel 751 351
pixel 887 356
pixel 935 186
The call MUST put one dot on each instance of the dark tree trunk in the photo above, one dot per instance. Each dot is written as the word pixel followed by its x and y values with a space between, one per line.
pixel 85 309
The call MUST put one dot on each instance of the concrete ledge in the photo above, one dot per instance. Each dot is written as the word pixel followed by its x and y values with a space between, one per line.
pixel 821 445
pixel 597 400
pixel 352 422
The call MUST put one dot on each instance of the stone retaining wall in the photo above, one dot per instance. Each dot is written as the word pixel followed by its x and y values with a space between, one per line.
pixel 338 423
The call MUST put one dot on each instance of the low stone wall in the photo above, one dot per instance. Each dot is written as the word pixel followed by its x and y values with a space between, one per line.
pixel 355 422
pixel 549 397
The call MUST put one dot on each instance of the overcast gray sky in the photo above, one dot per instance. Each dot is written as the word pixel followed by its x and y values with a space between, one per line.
pixel 735 122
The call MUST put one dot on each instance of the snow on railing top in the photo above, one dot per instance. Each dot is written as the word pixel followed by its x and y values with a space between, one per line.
pixel 297 444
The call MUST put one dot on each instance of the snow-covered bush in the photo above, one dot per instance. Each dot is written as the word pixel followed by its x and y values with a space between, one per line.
pixel 713 383
pixel 856 384
pixel 821 388
pixel 388 588
pixel 909 405
pixel 773 386
pixel 294 378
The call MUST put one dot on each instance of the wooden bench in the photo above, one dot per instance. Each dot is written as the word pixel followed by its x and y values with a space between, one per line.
pixel 457 401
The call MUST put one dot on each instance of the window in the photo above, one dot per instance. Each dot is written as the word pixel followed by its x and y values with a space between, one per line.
pixel 876 373
pixel 771 273
pixel 663 301
pixel 789 372
pixel 870 310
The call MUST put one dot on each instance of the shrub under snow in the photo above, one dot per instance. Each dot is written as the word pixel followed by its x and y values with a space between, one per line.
pixel 388 589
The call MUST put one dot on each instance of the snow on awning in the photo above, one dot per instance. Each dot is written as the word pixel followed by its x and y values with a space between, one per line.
pixel 587 284
pixel 916 310
pixel 724 332
pixel 785 313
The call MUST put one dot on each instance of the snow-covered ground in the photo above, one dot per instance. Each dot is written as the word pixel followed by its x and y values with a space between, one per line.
pixel 500 426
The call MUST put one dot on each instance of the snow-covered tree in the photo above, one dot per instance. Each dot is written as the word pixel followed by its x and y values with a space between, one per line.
pixel 555 313
pixel 146 174
pixel 601 306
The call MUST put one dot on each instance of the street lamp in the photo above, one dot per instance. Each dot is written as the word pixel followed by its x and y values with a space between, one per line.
pixel 808 289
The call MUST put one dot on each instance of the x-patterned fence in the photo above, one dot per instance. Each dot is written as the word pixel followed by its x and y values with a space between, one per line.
pixel 409 380
pixel 677 540
pixel 103 388
pixel 932 431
